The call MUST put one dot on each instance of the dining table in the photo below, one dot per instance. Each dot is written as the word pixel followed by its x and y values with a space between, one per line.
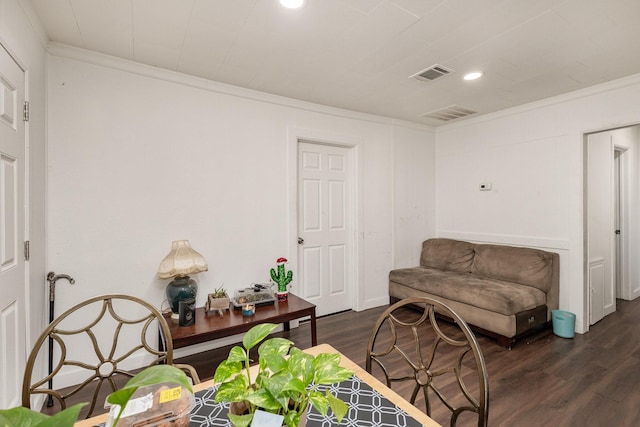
pixel 370 402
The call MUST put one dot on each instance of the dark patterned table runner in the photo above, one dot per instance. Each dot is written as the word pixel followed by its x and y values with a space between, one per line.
pixel 367 408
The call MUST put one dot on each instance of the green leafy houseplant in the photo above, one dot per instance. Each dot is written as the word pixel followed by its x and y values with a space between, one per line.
pixel 283 385
pixel 24 417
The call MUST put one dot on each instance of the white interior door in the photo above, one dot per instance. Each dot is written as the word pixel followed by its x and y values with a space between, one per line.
pixel 325 215
pixel 13 319
pixel 601 225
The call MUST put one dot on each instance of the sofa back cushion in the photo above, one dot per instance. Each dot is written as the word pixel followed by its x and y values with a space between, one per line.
pixel 527 266
pixel 447 254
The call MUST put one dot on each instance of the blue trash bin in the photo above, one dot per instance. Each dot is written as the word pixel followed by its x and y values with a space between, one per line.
pixel 564 323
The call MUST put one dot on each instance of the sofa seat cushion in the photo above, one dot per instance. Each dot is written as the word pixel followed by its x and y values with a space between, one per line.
pixel 499 296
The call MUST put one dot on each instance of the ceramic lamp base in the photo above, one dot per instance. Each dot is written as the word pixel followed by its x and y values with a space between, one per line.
pixel 179 289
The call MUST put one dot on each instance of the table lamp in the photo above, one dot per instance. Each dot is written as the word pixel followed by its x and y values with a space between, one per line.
pixel 181 261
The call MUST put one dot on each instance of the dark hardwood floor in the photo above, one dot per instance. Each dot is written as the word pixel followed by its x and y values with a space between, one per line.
pixel 545 380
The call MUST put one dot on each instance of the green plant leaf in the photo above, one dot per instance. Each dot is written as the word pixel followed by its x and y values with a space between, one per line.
pixel 257 334
pixel 276 387
pixel 295 385
pixel 265 400
pixel 277 345
pixel 338 407
pixel 274 362
pixel 262 375
pixel 319 401
pixel 241 420
pixel 328 370
pixel 24 417
pixel 20 416
pixel 292 418
pixel 301 365
pixel 227 371
pixel 324 359
pixel 66 417
pixel 237 354
pixel 233 391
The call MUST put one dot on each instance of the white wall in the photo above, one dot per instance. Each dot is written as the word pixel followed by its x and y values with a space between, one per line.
pixel 22 37
pixel 414 195
pixel 533 156
pixel 632 195
pixel 139 157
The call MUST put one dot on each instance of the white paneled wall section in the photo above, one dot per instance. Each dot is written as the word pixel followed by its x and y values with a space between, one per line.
pixel 140 157
pixel 533 157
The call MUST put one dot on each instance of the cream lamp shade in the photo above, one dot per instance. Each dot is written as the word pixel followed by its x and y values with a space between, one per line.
pixel 181 261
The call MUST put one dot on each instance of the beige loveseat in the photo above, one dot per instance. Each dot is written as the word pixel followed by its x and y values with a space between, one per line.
pixel 502 291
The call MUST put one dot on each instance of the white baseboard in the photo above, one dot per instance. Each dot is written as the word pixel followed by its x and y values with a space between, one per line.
pixel 375 302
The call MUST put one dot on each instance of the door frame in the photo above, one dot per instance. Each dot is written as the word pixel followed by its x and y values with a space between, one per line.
pixel 356 240
pixel 621 253
pixel 625 213
pixel 28 312
pixel 599 263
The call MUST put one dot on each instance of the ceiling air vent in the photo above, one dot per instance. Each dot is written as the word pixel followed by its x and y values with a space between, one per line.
pixel 449 113
pixel 432 73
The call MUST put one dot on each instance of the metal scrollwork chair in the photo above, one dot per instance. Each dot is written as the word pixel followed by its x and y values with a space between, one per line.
pixel 94 357
pixel 409 343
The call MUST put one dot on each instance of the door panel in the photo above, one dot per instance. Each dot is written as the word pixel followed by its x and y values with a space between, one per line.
pixel 336 206
pixel 337 269
pixel 601 225
pixel 311 204
pixel 597 283
pixel 13 318
pixel 311 274
pixel 324 222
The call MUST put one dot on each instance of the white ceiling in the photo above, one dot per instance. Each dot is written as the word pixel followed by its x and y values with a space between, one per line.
pixel 359 54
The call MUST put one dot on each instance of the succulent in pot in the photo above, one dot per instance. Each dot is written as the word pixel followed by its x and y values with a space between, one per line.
pixel 218 301
pixel 287 379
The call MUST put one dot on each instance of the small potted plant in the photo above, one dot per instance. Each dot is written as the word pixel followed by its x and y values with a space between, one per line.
pixel 218 301
pixel 286 382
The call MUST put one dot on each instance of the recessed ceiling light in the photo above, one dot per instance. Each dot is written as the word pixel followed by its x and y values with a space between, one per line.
pixel 473 75
pixel 293 4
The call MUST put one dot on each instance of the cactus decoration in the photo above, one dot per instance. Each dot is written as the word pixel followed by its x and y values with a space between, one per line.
pixel 282 279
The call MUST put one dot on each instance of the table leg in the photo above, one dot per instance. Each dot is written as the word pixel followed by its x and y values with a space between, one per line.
pixel 287 326
pixel 160 340
pixel 314 337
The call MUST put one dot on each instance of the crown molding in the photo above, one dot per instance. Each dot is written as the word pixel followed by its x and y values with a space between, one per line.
pixel 617 84
pixel 108 61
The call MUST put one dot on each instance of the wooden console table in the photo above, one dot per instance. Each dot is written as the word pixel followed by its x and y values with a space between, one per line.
pixel 211 326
